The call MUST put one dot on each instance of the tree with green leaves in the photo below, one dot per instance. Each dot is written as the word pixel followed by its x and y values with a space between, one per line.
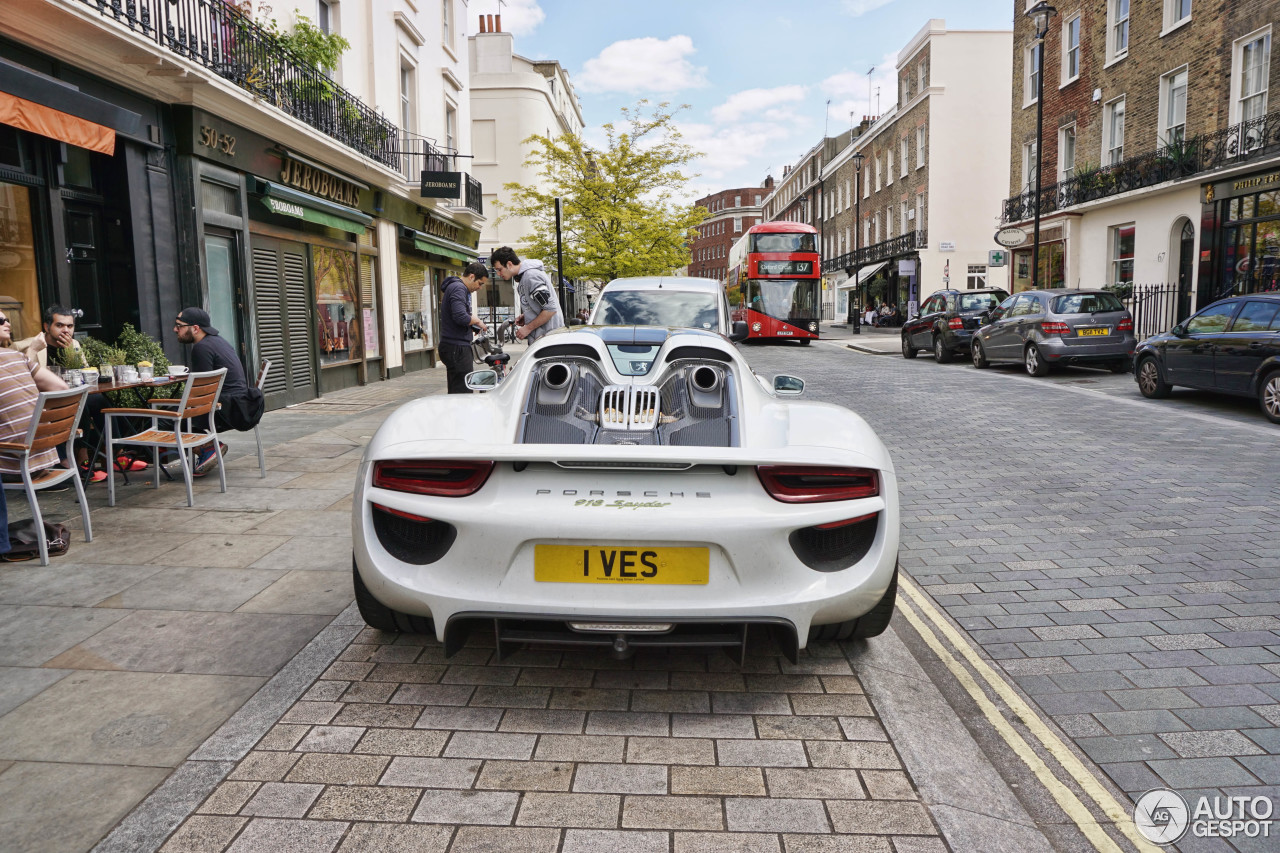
pixel 619 210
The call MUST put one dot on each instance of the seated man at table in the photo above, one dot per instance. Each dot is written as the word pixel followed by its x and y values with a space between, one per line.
pixel 240 406
pixel 21 382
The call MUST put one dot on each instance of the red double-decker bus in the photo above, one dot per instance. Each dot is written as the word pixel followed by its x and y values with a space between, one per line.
pixel 774 281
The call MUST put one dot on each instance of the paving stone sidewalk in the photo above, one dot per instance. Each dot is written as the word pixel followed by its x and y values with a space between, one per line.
pixel 395 747
pixel 120 658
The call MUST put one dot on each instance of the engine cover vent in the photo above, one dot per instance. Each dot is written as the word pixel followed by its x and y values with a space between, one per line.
pixel 627 407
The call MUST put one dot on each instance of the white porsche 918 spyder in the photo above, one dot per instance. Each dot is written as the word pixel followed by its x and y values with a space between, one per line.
pixel 627 486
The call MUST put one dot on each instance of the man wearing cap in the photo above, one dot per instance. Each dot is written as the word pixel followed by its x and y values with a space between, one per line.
pixel 211 351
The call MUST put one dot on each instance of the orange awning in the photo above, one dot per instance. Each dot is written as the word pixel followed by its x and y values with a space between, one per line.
pixel 46 121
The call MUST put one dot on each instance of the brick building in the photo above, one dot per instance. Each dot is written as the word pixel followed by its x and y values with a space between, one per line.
pixel 1160 159
pixel 729 214
pixel 906 225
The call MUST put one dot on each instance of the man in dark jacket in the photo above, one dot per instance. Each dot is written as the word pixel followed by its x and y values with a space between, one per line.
pixel 456 320
pixel 211 351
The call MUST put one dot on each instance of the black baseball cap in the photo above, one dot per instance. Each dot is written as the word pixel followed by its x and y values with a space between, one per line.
pixel 198 317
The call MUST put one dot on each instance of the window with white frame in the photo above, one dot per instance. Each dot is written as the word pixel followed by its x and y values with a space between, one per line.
pixel 877 174
pixel 1113 132
pixel 1030 163
pixel 920 148
pixel 976 277
pixel 407 98
pixel 1070 49
pixel 1117 29
pixel 875 221
pixel 866 184
pixel 450 128
pixel 866 232
pixel 757 199
pixel 737 201
pixel 324 16
pixel 919 223
pixel 889 166
pixel 1031 75
pixel 848 194
pixel 1173 107
pixel 1252 60
pixel 848 236
pixel 446 22
pixel 1175 12
pixel 922 74
pixel 737 224
pixel 903 207
pixel 905 154
pixel 888 224
pixel 1122 244
pixel 904 87
pixel 1066 152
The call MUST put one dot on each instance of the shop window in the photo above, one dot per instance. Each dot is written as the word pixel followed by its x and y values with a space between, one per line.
pixel 338 331
pixel 976 277
pixel 369 307
pixel 416 301
pixel 19 293
pixel 1122 241
pixel 77 169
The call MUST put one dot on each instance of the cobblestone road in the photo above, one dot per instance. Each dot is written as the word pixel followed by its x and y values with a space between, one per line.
pixel 1119 558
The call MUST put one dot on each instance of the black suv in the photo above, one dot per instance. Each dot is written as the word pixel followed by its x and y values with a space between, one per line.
pixel 947 321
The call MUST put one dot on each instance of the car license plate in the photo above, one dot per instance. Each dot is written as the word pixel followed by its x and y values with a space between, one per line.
pixel 620 564
pixel 1085 333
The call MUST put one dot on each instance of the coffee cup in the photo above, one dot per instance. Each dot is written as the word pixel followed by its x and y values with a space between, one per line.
pixel 178 370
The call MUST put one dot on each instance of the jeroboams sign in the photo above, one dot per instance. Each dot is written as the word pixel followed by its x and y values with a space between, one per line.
pixel 309 179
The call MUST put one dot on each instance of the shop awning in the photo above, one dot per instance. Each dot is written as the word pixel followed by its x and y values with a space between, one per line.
pixel 41 104
pixel 434 247
pixel 866 272
pixel 289 202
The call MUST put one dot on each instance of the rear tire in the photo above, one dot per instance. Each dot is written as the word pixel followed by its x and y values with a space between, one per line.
pixel 908 351
pixel 871 624
pixel 941 354
pixel 378 615
pixel 1150 382
pixel 1035 363
pixel 1269 396
pixel 979 356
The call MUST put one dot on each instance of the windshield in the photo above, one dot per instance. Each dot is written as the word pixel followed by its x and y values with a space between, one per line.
pixel 784 300
pixel 784 243
pixel 981 301
pixel 1085 303
pixel 659 307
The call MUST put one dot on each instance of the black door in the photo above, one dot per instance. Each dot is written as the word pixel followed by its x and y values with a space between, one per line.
pixel 1186 258
pixel 1188 358
pixel 282 313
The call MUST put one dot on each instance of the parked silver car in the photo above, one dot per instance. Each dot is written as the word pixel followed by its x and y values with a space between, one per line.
pixel 1043 328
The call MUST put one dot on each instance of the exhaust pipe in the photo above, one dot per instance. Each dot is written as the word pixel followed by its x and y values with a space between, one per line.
pixel 706 387
pixel 557 384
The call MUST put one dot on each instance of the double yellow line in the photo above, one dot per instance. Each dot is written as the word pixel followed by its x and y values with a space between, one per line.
pixel 925 618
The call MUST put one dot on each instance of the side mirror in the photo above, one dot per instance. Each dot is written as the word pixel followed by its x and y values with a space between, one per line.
pixel 739 332
pixel 1178 331
pixel 482 380
pixel 787 386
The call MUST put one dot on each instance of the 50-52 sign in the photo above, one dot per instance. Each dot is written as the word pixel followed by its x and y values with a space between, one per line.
pixel 210 138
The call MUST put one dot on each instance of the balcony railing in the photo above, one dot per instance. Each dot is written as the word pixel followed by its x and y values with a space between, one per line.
pixel 883 251
pixel 1249 140
pixel 220 38
pixel 415 154
pixel 474 196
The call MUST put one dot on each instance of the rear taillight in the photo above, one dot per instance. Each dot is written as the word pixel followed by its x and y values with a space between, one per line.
pixel 955 323
pixel 833 525
pixel 1125 325
pixel 402 514
pixel 1051 328
pixel 796 484
pixel 440 478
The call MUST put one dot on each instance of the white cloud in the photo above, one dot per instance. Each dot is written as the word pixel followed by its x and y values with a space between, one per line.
pixel 642 65
pixel 854 92
pixel 857 8
pixel 519 17
pixel 757 102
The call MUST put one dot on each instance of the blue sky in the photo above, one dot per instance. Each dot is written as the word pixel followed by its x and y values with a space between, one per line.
pixel 757 75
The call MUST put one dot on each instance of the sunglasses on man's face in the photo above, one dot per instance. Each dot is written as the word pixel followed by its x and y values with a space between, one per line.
pixel 178 324
pixel 3 320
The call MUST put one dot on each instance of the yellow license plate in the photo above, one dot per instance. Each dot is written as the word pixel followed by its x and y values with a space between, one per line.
pixel 620 564
pixel 1085 333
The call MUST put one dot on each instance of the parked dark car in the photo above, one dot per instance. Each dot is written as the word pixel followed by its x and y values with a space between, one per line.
pixel 1043 328
pixel 1232 346
pixel 947 320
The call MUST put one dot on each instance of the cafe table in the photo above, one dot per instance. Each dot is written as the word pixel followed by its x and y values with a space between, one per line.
pixel 120 385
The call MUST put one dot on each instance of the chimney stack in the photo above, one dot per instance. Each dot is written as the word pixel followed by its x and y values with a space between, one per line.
pixel 483 27
pixel 497 23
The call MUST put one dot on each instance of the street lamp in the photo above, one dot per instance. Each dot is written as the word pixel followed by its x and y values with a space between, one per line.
pixel 858 159
pixel 1040 15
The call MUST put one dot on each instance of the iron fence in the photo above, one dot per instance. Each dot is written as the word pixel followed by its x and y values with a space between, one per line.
pixel 884 250
pixel 222 39
pixel 1231 146
pixel 1155 308
pixel 474 197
